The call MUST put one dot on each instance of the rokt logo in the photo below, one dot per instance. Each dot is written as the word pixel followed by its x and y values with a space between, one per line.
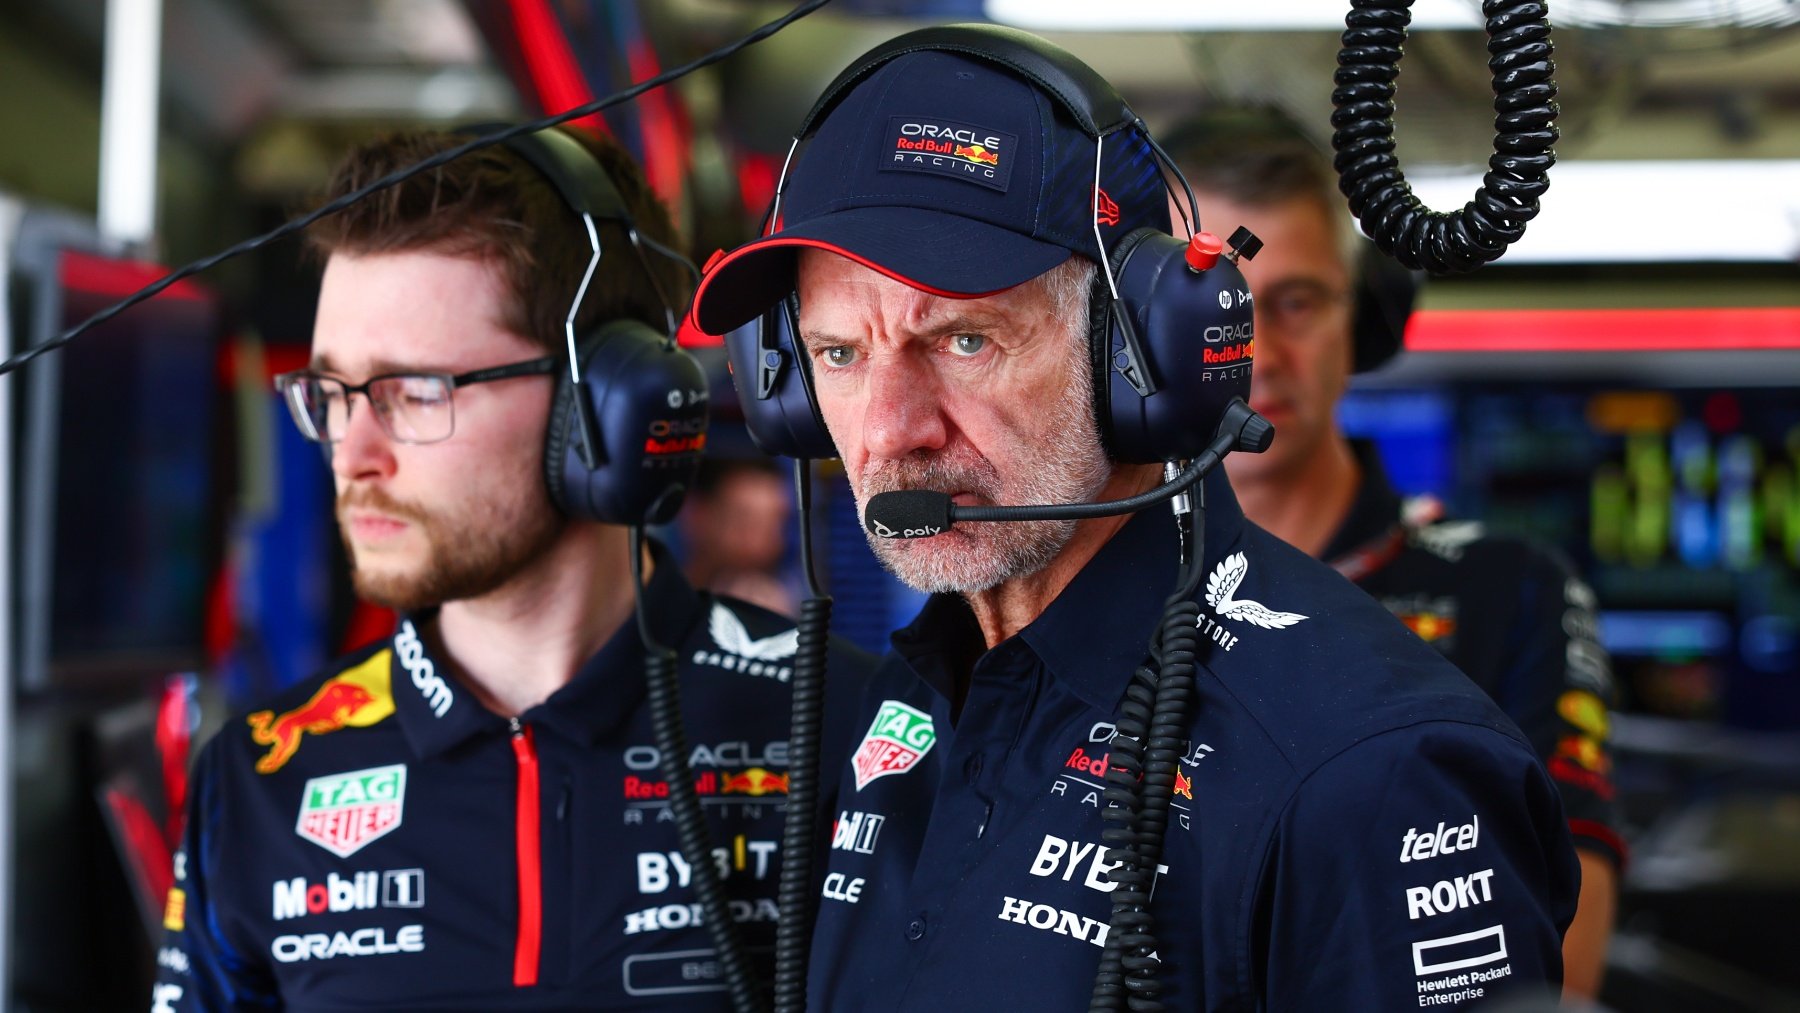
pixel 1449 895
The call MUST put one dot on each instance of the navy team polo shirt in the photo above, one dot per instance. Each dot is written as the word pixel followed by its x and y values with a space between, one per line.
pixel 1356 826
pixel 377 840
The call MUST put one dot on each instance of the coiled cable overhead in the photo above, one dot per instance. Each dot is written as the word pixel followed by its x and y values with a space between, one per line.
pixel 1524 123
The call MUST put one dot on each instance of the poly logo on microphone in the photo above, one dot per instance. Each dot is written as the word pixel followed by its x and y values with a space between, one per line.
pixel 882 530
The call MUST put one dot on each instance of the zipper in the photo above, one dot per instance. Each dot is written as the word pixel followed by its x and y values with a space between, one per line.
pixel 531 887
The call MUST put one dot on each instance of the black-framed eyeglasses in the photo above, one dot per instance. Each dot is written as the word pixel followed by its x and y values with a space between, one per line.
pixel 411 407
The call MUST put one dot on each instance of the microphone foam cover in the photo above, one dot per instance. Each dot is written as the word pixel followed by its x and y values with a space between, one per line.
pixel 908 513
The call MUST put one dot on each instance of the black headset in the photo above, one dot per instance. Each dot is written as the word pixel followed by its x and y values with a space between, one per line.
pixel 1171 346
pixel 629 415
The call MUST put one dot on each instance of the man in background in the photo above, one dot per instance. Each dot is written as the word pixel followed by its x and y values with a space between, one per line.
pixel 734 530
pixel 1509 614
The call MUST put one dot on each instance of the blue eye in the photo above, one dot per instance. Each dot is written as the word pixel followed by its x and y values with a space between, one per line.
pixel 838 356
pixel 967 344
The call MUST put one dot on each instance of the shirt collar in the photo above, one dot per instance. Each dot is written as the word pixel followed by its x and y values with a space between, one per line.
pixel 1096 632
pixel 602 696
pixel 1374 511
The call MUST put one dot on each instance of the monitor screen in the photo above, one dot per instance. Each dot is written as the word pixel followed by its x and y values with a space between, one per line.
pixel 121 468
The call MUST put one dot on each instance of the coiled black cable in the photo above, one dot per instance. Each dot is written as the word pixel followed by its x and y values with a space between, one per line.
pixel 794 891
pixel 1159 703
pixel 1130 898
pixel 663 697
pixel 1524 123
pixel 1149 740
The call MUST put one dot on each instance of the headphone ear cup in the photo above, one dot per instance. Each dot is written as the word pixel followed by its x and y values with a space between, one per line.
pixel 774 386
pixel 649 400
pixel 1196 332
pixel 1100 327
pixel 560 431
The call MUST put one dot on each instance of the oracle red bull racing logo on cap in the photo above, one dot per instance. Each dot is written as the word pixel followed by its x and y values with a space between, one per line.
pixel 343 812
pixel 945 147
pixel 359 698
pixel 895 743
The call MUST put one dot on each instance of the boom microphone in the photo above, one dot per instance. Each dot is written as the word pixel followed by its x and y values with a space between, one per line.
pixel 922 513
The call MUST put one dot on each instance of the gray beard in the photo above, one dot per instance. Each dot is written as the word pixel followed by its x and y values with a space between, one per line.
pixel 1063 463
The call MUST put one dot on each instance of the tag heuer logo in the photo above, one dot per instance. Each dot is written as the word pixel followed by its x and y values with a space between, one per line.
pixel 899 738
pixel 343 812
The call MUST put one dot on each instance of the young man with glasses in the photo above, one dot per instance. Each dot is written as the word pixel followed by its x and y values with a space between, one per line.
pixel 1510 615
pixel 471 814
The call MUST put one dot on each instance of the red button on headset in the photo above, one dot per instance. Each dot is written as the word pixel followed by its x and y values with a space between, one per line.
pixel 1203 251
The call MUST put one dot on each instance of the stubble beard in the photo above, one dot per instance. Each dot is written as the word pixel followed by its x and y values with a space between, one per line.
pixel 1060 462
pixel 468 554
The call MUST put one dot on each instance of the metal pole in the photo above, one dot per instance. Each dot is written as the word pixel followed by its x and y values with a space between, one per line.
pixel 10 213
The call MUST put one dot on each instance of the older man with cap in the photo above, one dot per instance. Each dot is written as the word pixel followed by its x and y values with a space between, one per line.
pixel 1352 825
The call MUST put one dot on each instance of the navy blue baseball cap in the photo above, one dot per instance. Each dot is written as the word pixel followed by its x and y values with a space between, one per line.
pixel 949 173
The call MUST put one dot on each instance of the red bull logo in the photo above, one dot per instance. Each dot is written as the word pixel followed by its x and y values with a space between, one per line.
pixel 1429 626
pixel 1183 786
pixel 1083 761
pixel 976 153
pixel 1585 711
pixel 755 781
pixel 358 698
pixel 1584 751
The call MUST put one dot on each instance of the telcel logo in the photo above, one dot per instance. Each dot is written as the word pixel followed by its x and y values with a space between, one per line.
pixel 1417 847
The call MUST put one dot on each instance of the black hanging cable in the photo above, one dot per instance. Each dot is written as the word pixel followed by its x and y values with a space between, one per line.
pixel 400 175
pixel 1524 124
pixel 1190 215
pixel 1147 746
pixel 688 266
pixel 663 697
pixel 794 894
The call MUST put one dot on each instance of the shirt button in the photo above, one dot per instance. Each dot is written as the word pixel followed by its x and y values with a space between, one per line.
pixel 915 929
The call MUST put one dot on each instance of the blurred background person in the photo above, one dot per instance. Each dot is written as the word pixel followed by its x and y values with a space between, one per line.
pixel 1511 615
pixel 734 531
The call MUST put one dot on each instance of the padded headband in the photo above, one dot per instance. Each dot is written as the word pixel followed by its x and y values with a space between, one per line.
pixel 1093 102
pixel 571 170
